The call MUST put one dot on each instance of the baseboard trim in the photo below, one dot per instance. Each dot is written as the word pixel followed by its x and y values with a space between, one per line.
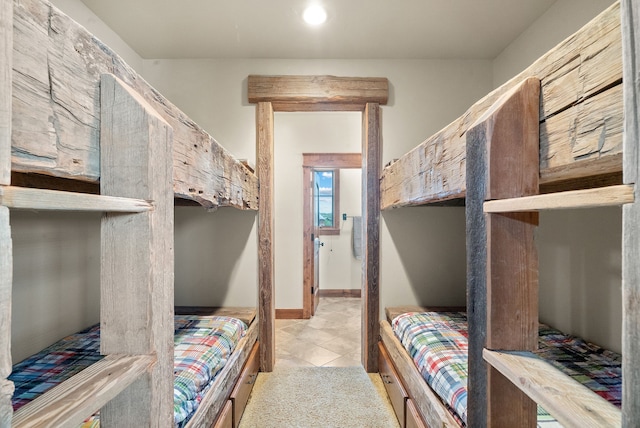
pixel 355 292
pixel 289 314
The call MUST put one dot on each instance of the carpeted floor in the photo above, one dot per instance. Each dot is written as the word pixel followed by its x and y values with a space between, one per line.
pixel 322 397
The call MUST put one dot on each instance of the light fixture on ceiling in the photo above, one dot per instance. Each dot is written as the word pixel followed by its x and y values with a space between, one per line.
pixel 314 15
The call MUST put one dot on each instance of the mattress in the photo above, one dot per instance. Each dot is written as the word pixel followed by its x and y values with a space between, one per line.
pixel 438 343
pixel 202 346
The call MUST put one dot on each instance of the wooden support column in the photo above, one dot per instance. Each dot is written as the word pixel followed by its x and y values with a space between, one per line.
pixel 6 247
pixel 502 264
pixel 371 169
pixel 266 261
pixel 630 12
pixel 137 253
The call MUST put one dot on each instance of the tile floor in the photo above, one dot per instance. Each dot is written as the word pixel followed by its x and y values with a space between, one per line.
pixel 331 338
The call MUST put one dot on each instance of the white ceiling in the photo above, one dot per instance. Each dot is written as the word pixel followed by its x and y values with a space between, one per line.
pixel 356 29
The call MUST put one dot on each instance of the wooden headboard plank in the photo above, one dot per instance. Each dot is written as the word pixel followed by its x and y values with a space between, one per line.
pixel 56 112
pixel 580 114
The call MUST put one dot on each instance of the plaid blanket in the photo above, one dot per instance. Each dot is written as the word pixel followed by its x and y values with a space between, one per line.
pixel 202 345
pixel 437 343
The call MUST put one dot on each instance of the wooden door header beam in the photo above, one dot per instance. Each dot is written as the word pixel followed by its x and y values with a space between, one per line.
pixel 318 93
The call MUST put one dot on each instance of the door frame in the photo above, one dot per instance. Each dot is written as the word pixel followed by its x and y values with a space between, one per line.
pixel 319 93
pixel 311 161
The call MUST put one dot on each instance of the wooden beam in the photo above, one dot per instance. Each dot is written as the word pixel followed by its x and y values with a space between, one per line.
pixel 73 401
pixel 137 273
pixel 6 71
pixel 54 200
pixel 308 93
pixel 266 263
pixel 332 160
pixel 598 197
pixel 572 404
pixel 502 154
pixel 580 115
pixel 371 166
pixel 56 112
pixel 631 215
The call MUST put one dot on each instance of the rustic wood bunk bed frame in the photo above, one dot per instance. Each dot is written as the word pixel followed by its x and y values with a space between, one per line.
pixel 81 131
pixel 553 137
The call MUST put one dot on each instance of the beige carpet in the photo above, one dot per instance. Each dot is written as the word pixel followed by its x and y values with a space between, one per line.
pixel 322 397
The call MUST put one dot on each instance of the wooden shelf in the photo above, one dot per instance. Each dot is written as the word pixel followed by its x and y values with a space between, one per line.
pixel 572 404
pixel 74 400
pixel 599 197
pixel 56 200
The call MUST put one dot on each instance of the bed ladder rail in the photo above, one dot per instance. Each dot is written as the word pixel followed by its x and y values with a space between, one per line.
pixel 502 265
pixel 73 401
pixel 588 198
pixel 571 403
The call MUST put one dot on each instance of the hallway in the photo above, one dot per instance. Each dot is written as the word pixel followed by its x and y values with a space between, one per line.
pixel 330 339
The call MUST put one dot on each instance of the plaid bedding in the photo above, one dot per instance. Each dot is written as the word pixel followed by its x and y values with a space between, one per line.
pixel 202 345
pixel 437 343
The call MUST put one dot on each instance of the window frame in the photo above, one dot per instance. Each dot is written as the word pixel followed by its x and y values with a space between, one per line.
pixel 335 228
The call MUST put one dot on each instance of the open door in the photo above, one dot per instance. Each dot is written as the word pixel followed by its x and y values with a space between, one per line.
pixel 321 175
pixel 315 286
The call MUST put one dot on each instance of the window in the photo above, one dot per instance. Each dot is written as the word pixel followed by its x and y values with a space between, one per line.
pixel 326 201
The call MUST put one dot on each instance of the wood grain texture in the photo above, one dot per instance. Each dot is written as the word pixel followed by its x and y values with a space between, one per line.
pixel 290 314
pixel 571 403
pixel 266 250
pixel 332 160
pixel 6 70
pixel 71 402
pixel 242 389
pixel 6 282
pixel 501 256
pixel 54 200
pixel 371 165
pixel 631 216
pixel 598 197
pixel 580 98
pixel 308 93
pixel 56 112
pixel 137 275
pixel 428 403
pixel 219 392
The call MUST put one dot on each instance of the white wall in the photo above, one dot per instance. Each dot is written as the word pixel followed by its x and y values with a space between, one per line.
pixel 579 250
pixel 56 277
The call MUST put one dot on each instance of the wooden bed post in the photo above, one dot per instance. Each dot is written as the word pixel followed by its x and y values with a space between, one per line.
pixel 371 169
pixel 266 263
pixel 502 264
pixel 136 161
pixel 6 247
pixel 630 11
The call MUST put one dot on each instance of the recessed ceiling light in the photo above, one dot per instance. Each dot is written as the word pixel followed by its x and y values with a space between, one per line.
pixel 314 15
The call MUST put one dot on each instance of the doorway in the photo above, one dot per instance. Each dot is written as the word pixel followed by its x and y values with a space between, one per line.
pixel 322 216
pixel 319 93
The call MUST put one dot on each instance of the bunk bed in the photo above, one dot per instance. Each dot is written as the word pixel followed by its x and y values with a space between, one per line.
pixel 81 131
pixel 550 138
